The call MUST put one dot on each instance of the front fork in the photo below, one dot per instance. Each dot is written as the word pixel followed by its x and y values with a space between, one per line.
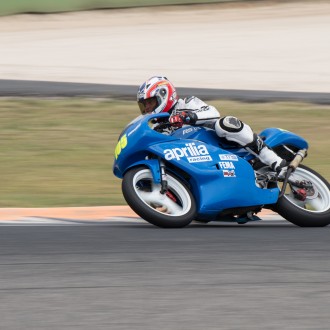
pixel 163 177
pixel 300 155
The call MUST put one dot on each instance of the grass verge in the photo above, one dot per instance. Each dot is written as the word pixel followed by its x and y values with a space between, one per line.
pixel 59 152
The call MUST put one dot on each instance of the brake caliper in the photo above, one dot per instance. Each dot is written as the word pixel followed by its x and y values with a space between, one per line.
pixel 302 189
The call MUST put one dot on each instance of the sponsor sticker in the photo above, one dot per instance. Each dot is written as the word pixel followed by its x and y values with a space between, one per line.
pixel 227 165
pixel 229 173
pixel 192 152
pixel 228 157
pixel 199 159
pixel 189 130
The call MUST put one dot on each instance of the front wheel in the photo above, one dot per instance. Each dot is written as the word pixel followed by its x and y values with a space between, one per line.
pixel 175 208
pixel 310 209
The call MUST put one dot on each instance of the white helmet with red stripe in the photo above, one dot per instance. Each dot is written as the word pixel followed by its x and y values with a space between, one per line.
pixel 160 88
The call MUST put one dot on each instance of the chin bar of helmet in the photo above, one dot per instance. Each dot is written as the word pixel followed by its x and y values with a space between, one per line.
pixel 299 157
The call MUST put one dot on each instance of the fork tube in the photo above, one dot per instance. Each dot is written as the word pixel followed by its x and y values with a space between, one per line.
pixel 300 155
pixel 285 182
pixel 163 177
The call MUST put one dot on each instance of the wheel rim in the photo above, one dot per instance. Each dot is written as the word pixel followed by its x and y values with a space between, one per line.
pixel 176 202
pixel 318 200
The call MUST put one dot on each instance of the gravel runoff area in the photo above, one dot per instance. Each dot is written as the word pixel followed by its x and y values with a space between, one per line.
pixel 266 45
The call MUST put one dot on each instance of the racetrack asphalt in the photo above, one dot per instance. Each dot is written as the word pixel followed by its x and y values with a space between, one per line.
pixel 119 275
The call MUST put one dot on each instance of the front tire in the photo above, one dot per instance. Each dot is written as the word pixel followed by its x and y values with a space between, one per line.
pixel 314 211
pixel 174 209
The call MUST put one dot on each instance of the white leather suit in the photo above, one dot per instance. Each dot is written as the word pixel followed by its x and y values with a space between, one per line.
pixel 229 127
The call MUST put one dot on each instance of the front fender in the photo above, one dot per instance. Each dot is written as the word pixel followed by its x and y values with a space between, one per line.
pixel 152 164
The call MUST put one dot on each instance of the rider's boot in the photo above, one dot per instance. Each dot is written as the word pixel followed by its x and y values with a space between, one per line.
pixel 266 155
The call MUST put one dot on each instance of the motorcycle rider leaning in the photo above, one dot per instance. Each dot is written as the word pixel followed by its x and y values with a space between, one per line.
pixel 158 94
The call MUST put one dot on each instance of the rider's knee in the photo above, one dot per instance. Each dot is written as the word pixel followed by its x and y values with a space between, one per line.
pixel 233 129
pixel 230 124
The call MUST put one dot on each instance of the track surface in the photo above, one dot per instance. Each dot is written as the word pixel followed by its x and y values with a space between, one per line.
pixel 121 275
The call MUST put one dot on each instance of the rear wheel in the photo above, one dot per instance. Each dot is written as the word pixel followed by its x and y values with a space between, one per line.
pixel 175 208
pixel 306 203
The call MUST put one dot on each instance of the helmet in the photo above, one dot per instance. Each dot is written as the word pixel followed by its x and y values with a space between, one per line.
pixel 160 88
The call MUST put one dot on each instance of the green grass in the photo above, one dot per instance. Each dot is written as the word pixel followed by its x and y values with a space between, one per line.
pixel 51 6
pixel 59 152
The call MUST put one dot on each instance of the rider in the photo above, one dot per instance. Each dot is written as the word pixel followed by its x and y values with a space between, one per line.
pixel 158 94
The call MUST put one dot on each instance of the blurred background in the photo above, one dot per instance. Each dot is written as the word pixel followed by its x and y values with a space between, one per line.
pixel 58 151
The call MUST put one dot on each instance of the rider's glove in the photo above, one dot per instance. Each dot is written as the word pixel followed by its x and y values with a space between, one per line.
pixel 178 120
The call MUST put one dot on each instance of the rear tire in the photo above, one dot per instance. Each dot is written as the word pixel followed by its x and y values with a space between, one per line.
pixel 174 209
pixel 315 210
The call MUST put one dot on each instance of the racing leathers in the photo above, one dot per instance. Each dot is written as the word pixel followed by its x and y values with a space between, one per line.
pixel 194 111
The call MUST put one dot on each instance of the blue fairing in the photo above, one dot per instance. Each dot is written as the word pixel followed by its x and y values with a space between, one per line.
pixel 209 136
pixel 231 177
pixel 219 175
pixel 276 136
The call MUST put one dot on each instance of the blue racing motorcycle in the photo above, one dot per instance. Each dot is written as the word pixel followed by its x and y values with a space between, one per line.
pixel 171 177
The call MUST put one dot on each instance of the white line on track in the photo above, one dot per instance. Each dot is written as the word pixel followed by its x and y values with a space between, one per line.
pixel 39 221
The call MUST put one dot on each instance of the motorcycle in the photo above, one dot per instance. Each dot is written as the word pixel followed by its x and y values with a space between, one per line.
pixel 171 177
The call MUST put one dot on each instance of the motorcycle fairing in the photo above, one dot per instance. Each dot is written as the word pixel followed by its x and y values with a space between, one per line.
pixel 137 136
pixel 215 172
pixel 276 136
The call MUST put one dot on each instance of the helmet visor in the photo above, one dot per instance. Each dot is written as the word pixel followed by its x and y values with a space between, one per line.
pixel 142 108
pixel 148 105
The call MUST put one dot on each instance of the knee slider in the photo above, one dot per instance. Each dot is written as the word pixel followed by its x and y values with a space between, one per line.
pixel 231 124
